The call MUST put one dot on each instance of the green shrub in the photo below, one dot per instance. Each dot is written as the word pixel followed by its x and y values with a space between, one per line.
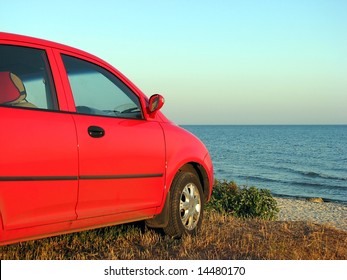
pixel 223 196
pixel 245 202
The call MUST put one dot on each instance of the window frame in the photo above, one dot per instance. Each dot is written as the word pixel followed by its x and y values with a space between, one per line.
pixel 111 76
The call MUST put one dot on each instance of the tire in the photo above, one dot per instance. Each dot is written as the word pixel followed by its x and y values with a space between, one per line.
pixel 186 205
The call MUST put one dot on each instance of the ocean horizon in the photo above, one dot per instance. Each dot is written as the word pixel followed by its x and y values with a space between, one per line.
pixel 299 161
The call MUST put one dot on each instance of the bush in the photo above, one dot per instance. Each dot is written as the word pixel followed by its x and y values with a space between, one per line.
pixel 245 202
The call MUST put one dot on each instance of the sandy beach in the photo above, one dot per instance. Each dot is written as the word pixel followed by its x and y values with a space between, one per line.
pixel 327 213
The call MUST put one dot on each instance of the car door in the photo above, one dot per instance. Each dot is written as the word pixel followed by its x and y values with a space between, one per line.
pixel 121 155
pixel 38 144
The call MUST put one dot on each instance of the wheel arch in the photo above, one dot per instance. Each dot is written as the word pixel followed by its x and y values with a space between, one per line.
pixel 201 173
pixel 161 220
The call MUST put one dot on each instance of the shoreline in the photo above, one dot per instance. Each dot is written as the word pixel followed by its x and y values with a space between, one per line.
pixel 298 197
pixel 331 214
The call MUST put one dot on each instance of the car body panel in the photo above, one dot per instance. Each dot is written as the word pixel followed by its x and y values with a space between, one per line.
pixel 38 168
pixel 183 148
pixel 114 170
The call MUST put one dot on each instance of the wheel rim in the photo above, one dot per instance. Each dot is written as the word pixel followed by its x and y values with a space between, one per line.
pixel 190 206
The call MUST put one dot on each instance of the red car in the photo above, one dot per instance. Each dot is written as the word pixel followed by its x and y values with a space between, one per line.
pixel 82 147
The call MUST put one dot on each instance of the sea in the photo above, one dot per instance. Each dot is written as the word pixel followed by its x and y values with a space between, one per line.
pixel 300 161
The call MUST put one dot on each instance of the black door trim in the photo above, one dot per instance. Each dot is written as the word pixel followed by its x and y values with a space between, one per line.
pixel 74 178
pixel 124 176
pixel 38 178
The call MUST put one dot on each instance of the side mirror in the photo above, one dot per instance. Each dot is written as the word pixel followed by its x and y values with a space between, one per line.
pixel 156 101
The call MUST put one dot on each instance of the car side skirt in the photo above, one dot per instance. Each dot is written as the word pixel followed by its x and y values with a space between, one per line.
pixel 33 233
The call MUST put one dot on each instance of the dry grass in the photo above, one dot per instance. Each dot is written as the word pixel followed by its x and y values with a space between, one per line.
pixel 221 237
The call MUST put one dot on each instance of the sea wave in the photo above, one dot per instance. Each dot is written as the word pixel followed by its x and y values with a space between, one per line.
pixel 293 183
pixel 310 174
pixel 313 174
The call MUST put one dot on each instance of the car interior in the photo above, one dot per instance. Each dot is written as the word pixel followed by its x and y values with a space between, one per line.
pixel 25 79
pixel 12 91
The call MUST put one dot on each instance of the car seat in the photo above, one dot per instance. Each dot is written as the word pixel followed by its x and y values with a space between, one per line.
pixel 12 91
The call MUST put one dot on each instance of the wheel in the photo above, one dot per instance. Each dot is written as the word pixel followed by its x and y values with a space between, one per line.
pixel 186 207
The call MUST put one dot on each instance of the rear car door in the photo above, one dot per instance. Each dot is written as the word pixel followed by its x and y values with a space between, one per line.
pixel 121 155
pixel 38 145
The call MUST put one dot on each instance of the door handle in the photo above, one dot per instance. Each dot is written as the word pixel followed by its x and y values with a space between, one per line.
pixel 96 131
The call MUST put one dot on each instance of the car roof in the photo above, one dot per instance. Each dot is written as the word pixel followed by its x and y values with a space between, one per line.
pixel 8 37
pixel 46 43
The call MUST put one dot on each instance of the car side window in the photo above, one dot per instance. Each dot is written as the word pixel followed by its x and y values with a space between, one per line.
pixel 25 78
pixel 96 91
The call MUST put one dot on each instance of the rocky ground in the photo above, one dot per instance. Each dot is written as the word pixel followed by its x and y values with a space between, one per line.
pixel 327 213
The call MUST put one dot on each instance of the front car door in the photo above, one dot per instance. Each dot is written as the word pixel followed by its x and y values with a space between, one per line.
pixel 121 155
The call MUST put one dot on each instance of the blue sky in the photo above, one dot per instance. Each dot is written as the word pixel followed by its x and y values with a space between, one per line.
pixel 216 62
